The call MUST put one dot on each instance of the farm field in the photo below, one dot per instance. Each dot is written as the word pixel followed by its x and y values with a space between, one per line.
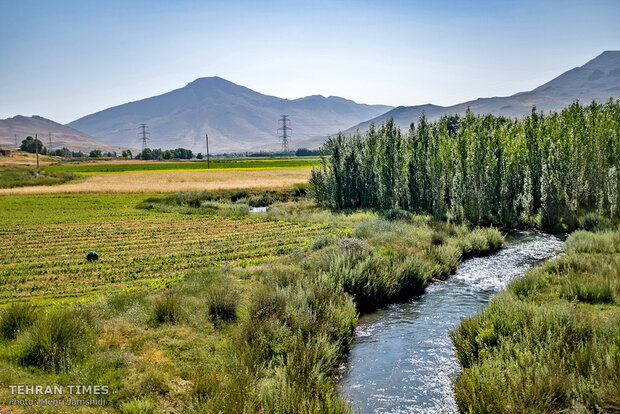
pixel 171 181
pixel 132 176
pixel 216 164
pixel 45 238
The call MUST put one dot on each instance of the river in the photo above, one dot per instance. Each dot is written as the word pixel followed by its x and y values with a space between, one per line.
pixel 402 359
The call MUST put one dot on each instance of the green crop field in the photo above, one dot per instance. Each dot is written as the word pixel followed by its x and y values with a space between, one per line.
pixel 267 163
pixel 44 240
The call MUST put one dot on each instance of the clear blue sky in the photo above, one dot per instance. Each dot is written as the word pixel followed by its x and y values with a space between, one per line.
pixel 66 59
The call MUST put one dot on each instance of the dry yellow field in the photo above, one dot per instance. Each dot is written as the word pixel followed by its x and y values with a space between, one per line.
pixel 171 181
pixel 21 158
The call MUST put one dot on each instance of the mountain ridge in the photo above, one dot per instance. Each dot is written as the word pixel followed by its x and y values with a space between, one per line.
pixel 598 79
pixel 236 118
pixel 62 135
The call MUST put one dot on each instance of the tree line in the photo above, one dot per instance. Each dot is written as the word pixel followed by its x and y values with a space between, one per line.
pixel 159 154
pixel 546 170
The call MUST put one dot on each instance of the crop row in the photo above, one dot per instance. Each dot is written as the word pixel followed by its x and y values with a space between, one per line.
pixel 49 260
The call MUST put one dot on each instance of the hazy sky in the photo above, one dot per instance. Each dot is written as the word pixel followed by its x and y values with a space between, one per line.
pixel 66 59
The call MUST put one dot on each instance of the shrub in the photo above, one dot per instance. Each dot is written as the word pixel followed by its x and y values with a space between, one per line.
pixel 585 242
pixel 446 257
pixel 438 238
pixel 222 302
pixel 495 239
pixel 532 282
pixel 237 194
pixel 320 242
pixel 588 291
pixel 481 241
pixel 368 228
pixel 121 301
pixel 55 341
pixel 15 318
pixel 396 214
pixel 413 274
pixel 167 308
pixel 299 190
pixel 266 304
pixel 593 222
pixel 475 243
pixel 261 200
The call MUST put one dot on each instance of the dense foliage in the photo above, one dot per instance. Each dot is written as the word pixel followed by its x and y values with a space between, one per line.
pixel 159 154
pixel 305 152
pixel 33 145
pixel 542 169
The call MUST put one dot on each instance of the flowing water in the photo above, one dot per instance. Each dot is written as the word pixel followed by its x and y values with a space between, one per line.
pixel 402 359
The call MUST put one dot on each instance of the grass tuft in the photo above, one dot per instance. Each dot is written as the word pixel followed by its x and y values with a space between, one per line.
pixel 55 341
pixel 167 308
pixel 223 301
pixel 15 318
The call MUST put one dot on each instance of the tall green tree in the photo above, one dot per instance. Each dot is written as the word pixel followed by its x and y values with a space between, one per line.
pixel 33 145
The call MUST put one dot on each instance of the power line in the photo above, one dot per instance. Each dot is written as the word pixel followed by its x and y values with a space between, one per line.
pixel 208 158
pixel 285 132
pixel 144 133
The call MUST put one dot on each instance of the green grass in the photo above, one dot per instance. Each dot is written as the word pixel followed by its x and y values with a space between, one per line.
pixel 11 177
pixel 263 335
pixel 44 241
pixel 551 341
pixel 269 163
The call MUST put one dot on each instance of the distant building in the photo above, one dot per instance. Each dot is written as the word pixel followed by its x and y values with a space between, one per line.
pixel 5 152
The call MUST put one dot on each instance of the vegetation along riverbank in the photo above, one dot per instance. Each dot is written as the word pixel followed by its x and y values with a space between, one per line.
pixel 551 341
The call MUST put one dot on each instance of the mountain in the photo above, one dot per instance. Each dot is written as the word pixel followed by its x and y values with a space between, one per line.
pixel 599 80
pixel 62 136
pixel 235 117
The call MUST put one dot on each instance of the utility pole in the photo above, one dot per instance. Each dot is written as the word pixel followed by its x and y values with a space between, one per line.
pixel 285 129
pixel 144 133
pixel 208 161
pixel 36 145
pixel 15 141
pixel 49 150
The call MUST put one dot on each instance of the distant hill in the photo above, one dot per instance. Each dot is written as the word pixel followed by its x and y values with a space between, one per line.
pixel 599 80
pixel 235 117
pixel 62 136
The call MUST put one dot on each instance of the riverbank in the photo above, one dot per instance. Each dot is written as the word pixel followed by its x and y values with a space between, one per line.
pixel 402 359
pixel 550 341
